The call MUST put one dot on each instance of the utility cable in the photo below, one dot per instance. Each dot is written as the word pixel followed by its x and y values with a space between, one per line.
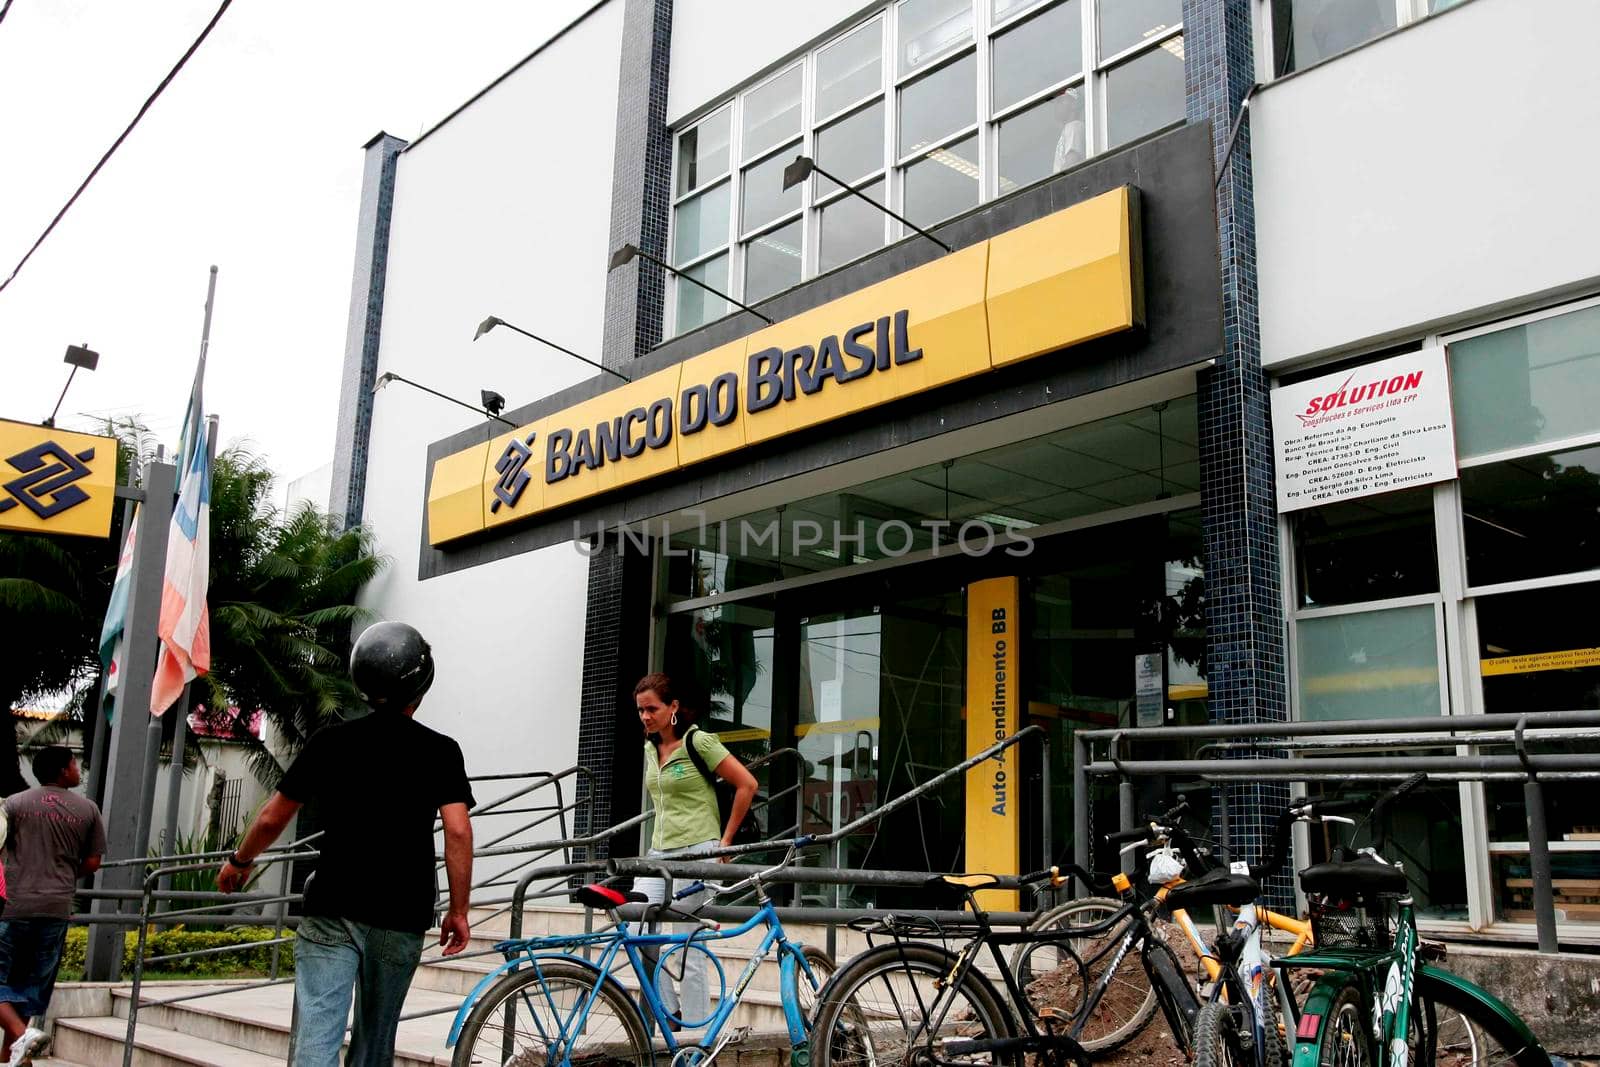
pixel 173 73
pixel 3 9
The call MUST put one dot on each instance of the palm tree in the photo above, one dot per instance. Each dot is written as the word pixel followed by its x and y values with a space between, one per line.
pixel 283 600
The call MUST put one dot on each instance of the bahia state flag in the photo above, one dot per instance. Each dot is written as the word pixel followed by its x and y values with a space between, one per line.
pixel 185 624
pixel 113 639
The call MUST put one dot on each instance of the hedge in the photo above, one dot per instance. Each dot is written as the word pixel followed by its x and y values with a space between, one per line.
pixel 179 939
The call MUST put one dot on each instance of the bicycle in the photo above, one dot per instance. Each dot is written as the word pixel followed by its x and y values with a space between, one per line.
pixel 910 1002
pixel 550 1004
pixel 1115 1005
pixel 1378 1003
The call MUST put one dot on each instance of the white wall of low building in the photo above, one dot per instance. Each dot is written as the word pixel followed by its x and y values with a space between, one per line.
pixel 502 210
pixel 719 44
pixel 1438 175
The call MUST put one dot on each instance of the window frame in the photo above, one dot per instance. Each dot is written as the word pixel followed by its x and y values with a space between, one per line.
pixel 1461 675
pixel 1092 76
pixel 1407 13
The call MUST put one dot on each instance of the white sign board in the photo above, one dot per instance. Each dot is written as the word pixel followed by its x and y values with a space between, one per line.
pixel 1377 428
pixel 1149 689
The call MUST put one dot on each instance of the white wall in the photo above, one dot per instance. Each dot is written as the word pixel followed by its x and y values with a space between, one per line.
pixel 313 487
pixel 1437 175
pixel 717 44
pixel 504 210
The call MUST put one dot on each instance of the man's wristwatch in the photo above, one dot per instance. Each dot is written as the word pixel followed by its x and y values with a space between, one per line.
pixel 234 860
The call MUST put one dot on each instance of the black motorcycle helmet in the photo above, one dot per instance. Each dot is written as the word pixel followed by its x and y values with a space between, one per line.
pixel 391 665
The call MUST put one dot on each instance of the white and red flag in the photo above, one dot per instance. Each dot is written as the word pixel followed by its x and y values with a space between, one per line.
pixel 185 623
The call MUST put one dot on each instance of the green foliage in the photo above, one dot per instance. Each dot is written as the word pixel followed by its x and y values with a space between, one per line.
pixel 179 939
pixel 283 592
pixel 282 598
pixel 202 881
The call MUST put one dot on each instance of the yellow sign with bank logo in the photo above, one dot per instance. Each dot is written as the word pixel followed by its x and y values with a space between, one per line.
pixel 994 713
pixel 1065 279
pixel 56 482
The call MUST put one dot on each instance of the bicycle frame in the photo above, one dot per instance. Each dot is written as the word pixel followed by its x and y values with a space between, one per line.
pixel 621 940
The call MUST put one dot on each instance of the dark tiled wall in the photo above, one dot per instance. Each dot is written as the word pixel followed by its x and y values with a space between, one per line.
pixel 349 489
pixel 1244 612
pixel 641 194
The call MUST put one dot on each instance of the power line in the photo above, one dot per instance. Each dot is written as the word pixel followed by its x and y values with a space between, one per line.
pixel 173 73
pixel 3 9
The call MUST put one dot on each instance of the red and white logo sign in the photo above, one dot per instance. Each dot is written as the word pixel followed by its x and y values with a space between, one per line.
pixel 1376 429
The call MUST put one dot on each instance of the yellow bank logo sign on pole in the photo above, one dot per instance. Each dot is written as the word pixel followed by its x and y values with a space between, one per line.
pixel 994 704
pixel 56 482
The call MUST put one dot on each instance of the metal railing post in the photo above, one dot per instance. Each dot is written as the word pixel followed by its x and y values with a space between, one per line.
pixel 282 913
pixel 138 968
pixel 1127 819
pixel 1539 872
pixel 1082 845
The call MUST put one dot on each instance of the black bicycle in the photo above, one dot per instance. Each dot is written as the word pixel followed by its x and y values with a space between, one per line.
pixel 912 1002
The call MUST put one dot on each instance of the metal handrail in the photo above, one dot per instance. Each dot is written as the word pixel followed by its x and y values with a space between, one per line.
pixel 1461 732
pixel 217 908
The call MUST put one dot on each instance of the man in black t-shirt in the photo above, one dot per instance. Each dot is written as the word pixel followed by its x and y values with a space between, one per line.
pixel 376 784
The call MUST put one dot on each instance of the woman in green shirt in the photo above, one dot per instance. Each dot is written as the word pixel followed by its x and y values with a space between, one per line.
pixel 687 822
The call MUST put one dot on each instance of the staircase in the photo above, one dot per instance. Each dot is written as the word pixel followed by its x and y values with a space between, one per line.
pixel 236 1027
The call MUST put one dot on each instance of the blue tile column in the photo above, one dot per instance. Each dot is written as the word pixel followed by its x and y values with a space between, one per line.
pixel 349 486
pixel 1245 654
pixel 614 656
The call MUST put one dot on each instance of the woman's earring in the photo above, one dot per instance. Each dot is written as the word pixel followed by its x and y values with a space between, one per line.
pixel 674 718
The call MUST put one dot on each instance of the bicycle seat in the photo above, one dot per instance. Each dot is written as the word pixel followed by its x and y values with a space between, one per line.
pixel 604 897
pixel 1352 878
pixel 1216 887
pixel 960 882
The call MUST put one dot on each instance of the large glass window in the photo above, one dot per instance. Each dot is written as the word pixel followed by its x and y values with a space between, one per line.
pixel 937 106
pixel 1306 32
pixel 1375 548
pixel 1526 385
pixel 1369 664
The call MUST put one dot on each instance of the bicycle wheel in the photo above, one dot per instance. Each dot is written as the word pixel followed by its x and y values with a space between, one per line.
pixel 1049 975
pixel 1471 1030
pixel 1177 997
pixel 1346 1040
pixel 890 1007
pixel 1216 1038
pixel 807 990
pixel 531 1018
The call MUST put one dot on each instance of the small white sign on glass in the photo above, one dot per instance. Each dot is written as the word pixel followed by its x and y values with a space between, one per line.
pixel 1377 428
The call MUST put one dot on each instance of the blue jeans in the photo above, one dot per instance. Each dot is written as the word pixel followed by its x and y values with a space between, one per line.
pixel 30 953
pixel 334 958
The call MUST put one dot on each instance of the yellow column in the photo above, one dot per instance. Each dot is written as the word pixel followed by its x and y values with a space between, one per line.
pixel 994 704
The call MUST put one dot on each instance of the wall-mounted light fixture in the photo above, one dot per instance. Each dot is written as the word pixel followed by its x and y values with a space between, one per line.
pixel 803 167
pixel 493 402
pixel 494 320
pixel 626 254
pixel 77 356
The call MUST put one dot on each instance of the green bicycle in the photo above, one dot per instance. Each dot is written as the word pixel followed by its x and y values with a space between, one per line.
pixel 1378 1003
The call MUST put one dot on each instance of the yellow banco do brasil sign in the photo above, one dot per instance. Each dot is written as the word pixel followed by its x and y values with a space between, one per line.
pixel 56 482
pixel 1062 280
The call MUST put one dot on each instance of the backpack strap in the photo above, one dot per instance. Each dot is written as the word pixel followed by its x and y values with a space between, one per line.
pixel 695 757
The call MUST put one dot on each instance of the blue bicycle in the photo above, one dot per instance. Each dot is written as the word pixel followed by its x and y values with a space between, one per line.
pixel 557 1000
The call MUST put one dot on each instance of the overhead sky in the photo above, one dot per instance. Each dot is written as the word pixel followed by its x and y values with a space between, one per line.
pixel 250 160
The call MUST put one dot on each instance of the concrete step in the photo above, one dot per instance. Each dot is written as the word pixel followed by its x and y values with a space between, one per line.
pixel 258 1019
pixel 101 1040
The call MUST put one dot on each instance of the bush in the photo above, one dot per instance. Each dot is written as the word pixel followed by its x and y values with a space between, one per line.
pixel 179 939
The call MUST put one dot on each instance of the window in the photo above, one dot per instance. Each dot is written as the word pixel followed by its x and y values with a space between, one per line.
pixel 1306 32
pixel 929 107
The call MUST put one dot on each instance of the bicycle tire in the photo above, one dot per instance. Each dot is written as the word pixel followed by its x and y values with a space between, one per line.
pixel 1493 1039
pixel 1216 1038
pixel 1346 1038
pixel 623 1042
pixel 807 992
pixel 892 987
pixel 1179 1004
pixel 1122 1013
